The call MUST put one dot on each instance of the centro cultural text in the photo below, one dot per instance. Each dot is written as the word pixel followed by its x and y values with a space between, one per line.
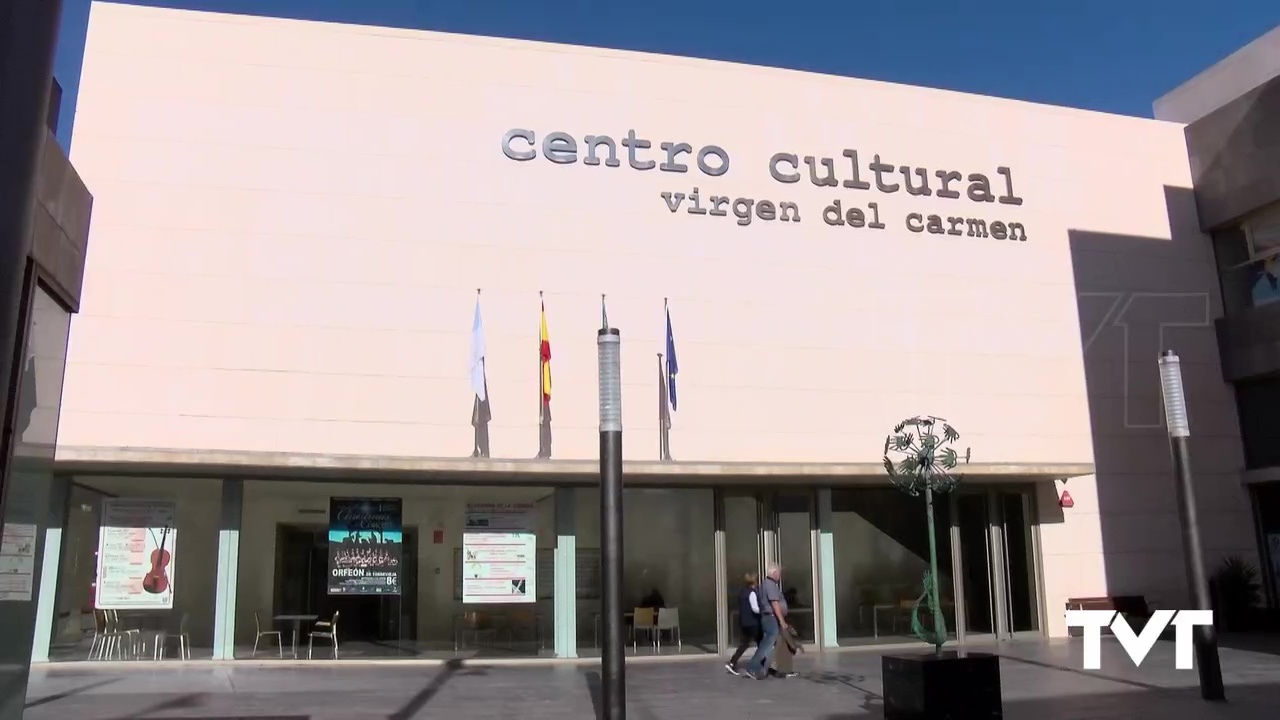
pixel 847 171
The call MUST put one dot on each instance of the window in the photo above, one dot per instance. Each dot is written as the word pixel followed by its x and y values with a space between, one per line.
pixel 1256 401
pixel 1262 236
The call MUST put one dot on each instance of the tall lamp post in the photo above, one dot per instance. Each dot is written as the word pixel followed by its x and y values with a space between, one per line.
pixel 1205 637
pixel 614 684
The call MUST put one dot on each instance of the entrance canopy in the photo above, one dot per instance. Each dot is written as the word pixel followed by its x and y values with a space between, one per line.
pixel 262 465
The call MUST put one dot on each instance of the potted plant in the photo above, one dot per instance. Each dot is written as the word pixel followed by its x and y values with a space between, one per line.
pixel 920 458
pixel 1236 592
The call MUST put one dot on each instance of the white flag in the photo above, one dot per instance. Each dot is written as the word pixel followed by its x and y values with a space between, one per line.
pixel 477 355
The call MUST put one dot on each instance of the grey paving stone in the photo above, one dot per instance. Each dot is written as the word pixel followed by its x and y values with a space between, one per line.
pixel 1041 681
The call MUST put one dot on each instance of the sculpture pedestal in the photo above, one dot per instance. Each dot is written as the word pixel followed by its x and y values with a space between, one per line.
pixel 953 685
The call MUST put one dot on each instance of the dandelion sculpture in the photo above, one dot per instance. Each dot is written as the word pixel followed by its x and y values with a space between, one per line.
pixel 924 465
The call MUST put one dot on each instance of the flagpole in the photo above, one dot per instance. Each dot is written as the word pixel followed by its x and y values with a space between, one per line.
pixel 662 411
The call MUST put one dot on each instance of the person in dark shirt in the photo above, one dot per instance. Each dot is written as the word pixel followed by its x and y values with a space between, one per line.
pixel 653 600
pixel 749 628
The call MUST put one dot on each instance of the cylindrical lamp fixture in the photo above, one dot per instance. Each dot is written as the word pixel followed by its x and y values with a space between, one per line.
pixel 609 346
pixel 1175 403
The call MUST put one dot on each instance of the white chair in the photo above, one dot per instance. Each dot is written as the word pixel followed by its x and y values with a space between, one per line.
pixel 325 630
pixel 669 621
pixel 259 634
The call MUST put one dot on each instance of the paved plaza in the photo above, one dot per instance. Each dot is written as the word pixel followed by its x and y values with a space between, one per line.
pixel 1041 681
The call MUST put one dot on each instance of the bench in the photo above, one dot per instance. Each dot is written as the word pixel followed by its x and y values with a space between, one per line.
pixel 1132 607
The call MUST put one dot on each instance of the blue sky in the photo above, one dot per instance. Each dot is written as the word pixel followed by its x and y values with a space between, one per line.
pixel 1110 55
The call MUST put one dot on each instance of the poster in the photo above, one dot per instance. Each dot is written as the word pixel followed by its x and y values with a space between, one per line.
pixel 499 553
pixel 17 561
pixel 365 546
pixel 137 553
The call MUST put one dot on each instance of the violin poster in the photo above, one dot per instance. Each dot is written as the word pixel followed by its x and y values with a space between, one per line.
pixel 137 549
pixel 365 546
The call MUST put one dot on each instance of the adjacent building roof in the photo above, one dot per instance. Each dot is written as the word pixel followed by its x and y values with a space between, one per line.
pixel 1235 75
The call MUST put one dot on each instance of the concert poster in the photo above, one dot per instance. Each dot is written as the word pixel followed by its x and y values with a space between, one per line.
pixel 137 554
pixel 365 546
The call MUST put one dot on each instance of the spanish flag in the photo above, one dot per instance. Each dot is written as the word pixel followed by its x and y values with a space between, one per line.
pixel 544 357
pixel 544 387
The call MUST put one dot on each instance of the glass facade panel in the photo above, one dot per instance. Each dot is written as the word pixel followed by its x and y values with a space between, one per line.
pixel 139 565
pixel 795 555
pixel 28 489
pixel 669 567
pixel 301 565
pixel 881 554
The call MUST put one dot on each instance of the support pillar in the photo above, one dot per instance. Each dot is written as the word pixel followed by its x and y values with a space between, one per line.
pixel 224 618
pixel 826 572
pixel 566 574
pixel 51 570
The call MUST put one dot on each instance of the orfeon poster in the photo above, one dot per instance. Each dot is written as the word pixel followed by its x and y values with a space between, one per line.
pixel 365 546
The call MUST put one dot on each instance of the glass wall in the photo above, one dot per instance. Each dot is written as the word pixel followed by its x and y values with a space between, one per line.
pixel 881 552
pixel 1266 498
pixel 28 489
pixel 401 571
pixel 668 569
pixel 795 555
pixel 138 570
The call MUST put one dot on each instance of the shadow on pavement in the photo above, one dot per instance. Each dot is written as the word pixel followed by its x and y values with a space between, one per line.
pixel 592 679
pixel 181 702
pixel 870 703
pixel 420 700
pixel 1268 643
pixel 1244 702
pixel 68 693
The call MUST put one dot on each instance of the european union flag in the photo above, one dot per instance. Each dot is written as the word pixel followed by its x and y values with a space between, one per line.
pixel 673 367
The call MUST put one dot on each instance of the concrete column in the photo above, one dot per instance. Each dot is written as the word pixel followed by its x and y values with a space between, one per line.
pixel 50 570
pixel 826 631
pixel 566 583
pixel 224 618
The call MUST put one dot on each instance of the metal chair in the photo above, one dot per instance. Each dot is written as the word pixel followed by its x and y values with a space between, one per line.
pixel 324 631
pixel 259 634
pixel 120 639
pixel 644 620
pixel 183 637
pixel 99 641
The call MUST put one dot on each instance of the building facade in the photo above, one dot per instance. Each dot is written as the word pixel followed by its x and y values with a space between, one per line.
pixel 307 234
pixel 50 273
pixel 1232 112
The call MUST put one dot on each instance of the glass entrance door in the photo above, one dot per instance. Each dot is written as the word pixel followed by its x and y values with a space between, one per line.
pixel 760 528
pixel 998 579
pixel 793 550
pixel 1017 553
pixel 973 521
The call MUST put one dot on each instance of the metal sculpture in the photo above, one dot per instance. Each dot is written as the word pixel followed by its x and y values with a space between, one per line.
pixel 925 464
